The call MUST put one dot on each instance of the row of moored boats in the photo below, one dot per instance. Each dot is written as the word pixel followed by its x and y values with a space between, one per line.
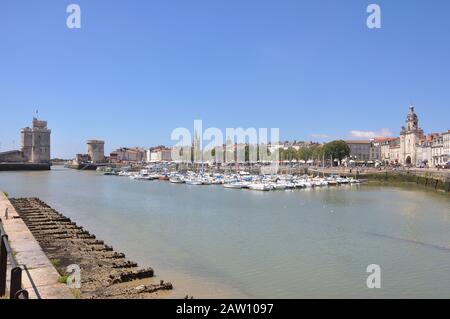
pixel 242 180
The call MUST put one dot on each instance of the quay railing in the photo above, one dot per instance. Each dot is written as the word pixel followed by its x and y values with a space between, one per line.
pixel 6 253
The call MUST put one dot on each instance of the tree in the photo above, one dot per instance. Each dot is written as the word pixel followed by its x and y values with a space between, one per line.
pixel 304 153
pixel 292 154
pixel 337 150
pixel 282 154
pixel 317 152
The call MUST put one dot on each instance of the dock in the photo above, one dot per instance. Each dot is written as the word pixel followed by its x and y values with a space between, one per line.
pixel 104 273
pixel 39 276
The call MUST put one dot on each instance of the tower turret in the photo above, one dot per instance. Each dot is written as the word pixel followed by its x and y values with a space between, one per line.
pixel 412 121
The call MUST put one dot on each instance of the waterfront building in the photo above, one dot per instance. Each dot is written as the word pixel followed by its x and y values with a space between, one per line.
pixel 297 145
pixel 375 152
pixel 360 150
pixel 423 151
pixel 35 145
pixel 159 155
pixel 417 149
pixel 410 137
pixel 394 151
pixel 124 154
pixel 81 159
pixel 381 149
pixel 437 150
pixel 446 146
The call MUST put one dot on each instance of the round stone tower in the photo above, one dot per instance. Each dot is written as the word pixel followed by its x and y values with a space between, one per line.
pixel 96 150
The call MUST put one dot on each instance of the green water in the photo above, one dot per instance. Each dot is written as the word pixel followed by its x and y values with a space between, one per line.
pixel 216 242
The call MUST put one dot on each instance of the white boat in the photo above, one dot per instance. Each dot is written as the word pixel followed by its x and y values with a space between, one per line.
pixel 143 175
pixel 154 176
pixel 176 180
pixel 205 181
pixel 110 172
pixel 332 182
pixel 290 185
pixel 299 185
pixel 124 173
pixel 236 185
pixel 320 183
pixel 307 184
pixel 260 187
pixel 342 181
pixel 193 182
pixel 279 186
pixel 217 181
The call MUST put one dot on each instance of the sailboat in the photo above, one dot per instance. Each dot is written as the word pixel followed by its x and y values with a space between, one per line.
pixel 176 179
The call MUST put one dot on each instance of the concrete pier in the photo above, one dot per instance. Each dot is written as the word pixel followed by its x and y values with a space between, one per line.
pixel 39 276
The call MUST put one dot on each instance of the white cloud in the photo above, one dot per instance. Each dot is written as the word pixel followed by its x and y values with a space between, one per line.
pixel 371 134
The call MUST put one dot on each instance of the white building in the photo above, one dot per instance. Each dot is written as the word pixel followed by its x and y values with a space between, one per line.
pixel 394 151
pixel 159 155
pixel 424 154
pixel 381 148
pixel 437 150
pixel 446 144
pixel 417 149
pixel 410 137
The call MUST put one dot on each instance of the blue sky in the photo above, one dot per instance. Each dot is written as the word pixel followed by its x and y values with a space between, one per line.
pixel 138 69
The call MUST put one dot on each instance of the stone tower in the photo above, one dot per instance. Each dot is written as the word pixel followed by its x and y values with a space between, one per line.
pixel 36 142
pixel 96 151
pixel 26 137
pixel 410 137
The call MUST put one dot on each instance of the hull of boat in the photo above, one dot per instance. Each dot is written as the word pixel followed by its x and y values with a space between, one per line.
pixel 233 186
pixel 263 188
pixel 196 183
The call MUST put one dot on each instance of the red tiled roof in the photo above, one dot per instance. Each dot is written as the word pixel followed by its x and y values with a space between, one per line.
pixel 358 142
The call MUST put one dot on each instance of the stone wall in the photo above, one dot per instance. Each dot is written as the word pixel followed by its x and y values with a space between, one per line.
pixel 24 167
pixel 41 146
pixel 12 157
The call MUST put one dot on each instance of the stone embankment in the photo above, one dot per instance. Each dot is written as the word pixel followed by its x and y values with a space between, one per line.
pixel 104 272
pixel 431 178
pixel 24 167
pixel 39 277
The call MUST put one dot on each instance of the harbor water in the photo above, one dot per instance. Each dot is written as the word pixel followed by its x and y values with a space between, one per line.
pixel 216 242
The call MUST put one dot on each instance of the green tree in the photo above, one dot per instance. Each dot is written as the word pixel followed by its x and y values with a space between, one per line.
pixel 288 154
pixel 282 154
pixel 304 153
pixel 292 154
pixel 317 152
pixel 337 150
